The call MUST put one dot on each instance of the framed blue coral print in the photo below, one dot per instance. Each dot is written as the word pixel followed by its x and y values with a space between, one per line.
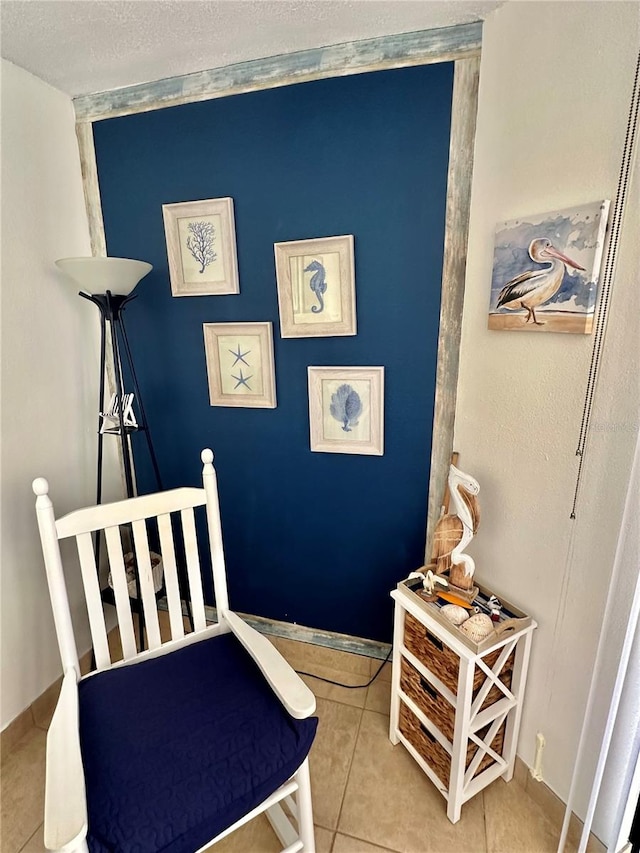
pixel 201 247
pixel 346 410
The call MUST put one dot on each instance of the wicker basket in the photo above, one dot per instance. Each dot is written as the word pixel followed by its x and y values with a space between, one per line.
pixel 444 663
pixel 157 572
pixel 436 656
pixel 426 697
pixel 435 755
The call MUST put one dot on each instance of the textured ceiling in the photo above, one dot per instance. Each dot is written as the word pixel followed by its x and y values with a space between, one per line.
pixel 89 46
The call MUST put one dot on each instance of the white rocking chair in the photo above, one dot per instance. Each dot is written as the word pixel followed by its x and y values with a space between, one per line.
pixel 174 747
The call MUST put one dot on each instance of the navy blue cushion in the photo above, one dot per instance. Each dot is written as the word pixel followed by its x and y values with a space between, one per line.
pixel 178 748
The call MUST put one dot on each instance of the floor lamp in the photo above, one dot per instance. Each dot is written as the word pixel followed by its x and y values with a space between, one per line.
pixel 108 283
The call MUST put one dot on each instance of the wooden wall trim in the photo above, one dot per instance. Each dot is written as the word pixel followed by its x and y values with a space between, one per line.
pixel 302 634
pixel 463 130
pixel 393 51
pixel 93 203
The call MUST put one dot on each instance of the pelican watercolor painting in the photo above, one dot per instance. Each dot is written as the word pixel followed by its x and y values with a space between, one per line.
pixel 546 269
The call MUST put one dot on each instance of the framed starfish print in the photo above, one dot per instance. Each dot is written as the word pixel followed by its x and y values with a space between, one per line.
pixel 240 364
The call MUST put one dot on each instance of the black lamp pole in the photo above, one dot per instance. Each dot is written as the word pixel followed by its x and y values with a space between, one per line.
pixel 110 306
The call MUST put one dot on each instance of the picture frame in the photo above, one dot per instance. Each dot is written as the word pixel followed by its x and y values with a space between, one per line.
pixel 316 287
pixel 546 269
pixel 240 364
pixel 201 247
pixel 346 410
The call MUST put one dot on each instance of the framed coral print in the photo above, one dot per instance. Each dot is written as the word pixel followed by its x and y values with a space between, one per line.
pixel 346 409
pixel 316 287
pixel 201 247
pixel 240 365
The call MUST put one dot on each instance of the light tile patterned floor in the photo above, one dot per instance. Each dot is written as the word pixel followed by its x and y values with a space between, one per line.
pixel 369 796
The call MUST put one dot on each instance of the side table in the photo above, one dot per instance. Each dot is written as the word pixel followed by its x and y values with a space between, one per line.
pixel 456 705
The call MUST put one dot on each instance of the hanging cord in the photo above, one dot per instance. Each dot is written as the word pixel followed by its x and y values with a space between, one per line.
pixel 581 452
pixel 561 610
pixel 609 270
pixel 350 686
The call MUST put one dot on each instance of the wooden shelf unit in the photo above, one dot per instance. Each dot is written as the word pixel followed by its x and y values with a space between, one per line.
pixel 456 706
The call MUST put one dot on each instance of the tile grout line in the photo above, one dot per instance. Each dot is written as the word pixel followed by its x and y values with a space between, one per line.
pixel 372 843
pixel 8 737
pixel 344 793
pixel 346 783
pixel 31 837
pixel 484 822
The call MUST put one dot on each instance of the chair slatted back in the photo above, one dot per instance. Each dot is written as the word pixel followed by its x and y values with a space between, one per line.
pixel 123 526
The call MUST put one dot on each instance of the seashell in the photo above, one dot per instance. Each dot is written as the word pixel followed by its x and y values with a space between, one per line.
pixel 478 627
pixel 454 613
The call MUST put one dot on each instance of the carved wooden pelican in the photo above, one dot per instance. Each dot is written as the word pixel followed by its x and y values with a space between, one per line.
pixel 463 489
pixel 535 287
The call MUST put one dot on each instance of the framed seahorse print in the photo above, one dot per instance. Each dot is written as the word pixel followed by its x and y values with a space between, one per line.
pixel 316 287
pixel 201 247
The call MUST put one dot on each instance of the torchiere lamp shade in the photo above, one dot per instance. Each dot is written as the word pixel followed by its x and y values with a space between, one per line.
pixel 99 275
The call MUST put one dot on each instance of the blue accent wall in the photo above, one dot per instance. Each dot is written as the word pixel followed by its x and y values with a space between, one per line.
pixel 314 538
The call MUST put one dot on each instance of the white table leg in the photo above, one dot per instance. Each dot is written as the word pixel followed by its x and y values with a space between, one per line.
pixel 398 636
pixel 518 681
pixel 460 738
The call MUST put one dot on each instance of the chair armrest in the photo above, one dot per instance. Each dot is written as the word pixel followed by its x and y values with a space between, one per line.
pixel 285 682
pixel 65 808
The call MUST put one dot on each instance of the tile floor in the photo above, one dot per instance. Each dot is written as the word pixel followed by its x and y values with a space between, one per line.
pixel 369 796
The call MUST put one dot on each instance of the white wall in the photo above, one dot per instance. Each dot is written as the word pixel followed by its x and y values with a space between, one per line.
pixel 555 87
pixel 49 368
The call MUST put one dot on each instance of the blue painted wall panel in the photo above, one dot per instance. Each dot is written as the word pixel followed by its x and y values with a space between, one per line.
pixel 313 538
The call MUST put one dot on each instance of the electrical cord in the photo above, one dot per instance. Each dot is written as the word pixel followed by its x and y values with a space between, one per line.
pixel 349 686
